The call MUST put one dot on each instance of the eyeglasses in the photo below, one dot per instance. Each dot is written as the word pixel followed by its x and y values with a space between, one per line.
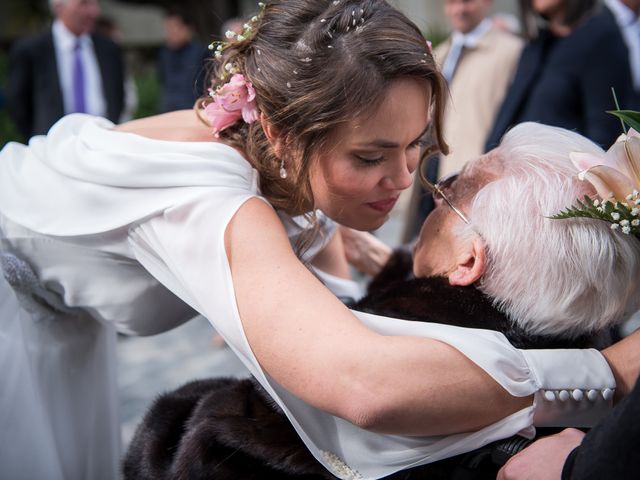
pixel 437 190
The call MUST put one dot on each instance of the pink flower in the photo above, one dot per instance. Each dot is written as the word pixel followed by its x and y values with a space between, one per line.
pixel 430 46
pixel 615 173
pixel 235 100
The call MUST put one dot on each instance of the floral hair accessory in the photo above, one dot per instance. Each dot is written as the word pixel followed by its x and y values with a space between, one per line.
pixel 616 177
pixel 430 47
pixel 248 30
pixel 231 102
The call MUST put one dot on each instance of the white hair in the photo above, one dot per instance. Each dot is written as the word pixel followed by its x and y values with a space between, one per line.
pixel 555 277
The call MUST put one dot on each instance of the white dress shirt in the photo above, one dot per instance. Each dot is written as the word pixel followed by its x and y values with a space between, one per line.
pixel 64 42
pixel 458 42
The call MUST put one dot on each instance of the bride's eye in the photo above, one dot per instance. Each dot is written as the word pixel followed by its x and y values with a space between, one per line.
pixel 419 143
pixel 369 161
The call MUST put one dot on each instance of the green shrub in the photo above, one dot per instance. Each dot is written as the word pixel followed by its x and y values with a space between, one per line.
pixel 148 93
pixel 8 131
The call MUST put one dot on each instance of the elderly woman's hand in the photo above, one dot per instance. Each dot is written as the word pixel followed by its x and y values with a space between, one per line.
pixel 364 251
pixel 543 459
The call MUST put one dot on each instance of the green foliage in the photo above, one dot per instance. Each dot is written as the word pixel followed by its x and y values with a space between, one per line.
pixel 436 36
pixel 621 215
pixel 8 132
pixel 148 89
pixel 630 117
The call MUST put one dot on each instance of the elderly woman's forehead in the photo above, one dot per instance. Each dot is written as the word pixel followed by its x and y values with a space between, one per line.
pixel 481 169
pixel 488 164
pixel 476 174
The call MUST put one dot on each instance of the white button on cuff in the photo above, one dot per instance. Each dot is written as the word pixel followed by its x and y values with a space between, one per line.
pixel 563 395
pixel 549 396
pixel 577 395
pixel 592 395
pixel 607 394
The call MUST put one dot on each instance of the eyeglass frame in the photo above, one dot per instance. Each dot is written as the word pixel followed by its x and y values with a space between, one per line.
pixel 437 189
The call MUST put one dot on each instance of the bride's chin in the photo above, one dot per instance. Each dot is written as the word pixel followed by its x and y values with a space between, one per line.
pixel 365 225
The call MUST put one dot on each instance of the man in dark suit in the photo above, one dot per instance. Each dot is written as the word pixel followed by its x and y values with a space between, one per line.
pixel 65 69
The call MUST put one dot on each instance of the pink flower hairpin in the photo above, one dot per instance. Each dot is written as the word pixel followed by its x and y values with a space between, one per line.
pixel 231 102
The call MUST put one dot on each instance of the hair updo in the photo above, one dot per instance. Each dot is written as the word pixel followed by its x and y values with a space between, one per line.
pixel 316 65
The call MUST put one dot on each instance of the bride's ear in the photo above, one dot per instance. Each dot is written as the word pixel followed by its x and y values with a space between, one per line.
pixel 273 135
pixel 470 264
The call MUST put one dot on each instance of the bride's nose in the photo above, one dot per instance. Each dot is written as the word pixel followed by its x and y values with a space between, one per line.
pixel 399 176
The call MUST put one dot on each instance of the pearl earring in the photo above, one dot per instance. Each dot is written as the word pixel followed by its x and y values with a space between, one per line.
pixel 283 171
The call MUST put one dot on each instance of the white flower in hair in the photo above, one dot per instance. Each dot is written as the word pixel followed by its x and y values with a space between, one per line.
pixel 615 175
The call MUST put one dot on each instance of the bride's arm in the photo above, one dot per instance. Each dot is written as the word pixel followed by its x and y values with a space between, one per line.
pixel 316 348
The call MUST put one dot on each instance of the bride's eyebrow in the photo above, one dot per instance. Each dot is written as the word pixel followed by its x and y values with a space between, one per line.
pixel 383 143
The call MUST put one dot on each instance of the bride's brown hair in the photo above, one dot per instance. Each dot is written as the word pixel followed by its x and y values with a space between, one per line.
pixel 316 65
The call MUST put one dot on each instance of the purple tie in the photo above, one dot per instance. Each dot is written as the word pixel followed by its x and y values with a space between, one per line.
pixel 78 80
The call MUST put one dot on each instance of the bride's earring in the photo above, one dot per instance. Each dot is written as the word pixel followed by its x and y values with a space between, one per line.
pixel 283 171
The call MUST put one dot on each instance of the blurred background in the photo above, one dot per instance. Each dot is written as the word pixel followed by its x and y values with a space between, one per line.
pixel 140 29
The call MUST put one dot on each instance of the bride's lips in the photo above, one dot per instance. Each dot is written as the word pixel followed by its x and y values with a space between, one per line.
pixel 385 205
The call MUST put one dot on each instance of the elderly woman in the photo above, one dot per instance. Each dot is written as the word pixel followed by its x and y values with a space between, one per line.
pixel 488 253
pixel 546 275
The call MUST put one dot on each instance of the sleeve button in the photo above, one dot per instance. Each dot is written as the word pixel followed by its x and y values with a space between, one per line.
pixel 549 396
pixel 592 395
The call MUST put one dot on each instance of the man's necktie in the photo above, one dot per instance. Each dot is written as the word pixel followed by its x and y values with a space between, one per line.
pixel 451 61
pixel 79 104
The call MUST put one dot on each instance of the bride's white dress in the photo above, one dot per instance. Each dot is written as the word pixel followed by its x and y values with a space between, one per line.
pixel 125 233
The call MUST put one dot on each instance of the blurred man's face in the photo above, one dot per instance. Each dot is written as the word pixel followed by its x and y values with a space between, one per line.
pixel 79 16
pixel 465 15
pixel 548 8
pixel 177 33
pixel 633 5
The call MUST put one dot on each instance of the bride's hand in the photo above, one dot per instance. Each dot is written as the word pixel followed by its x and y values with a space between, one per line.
pixel 364 251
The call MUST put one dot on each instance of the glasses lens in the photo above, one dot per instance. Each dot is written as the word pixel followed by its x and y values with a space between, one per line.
pixel 445 183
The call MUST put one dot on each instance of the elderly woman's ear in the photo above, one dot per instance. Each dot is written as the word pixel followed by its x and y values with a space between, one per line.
pixel 470 262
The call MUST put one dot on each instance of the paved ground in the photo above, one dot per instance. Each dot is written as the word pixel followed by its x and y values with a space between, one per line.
pixel 148 366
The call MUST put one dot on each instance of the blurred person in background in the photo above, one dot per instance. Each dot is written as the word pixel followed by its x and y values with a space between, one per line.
pixel 65 69
pixel 478 61
pixel 567 71
pixel 180 63
pixel 626 13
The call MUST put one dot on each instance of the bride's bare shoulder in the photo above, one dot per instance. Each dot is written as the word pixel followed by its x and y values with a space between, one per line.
pixel 179 126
